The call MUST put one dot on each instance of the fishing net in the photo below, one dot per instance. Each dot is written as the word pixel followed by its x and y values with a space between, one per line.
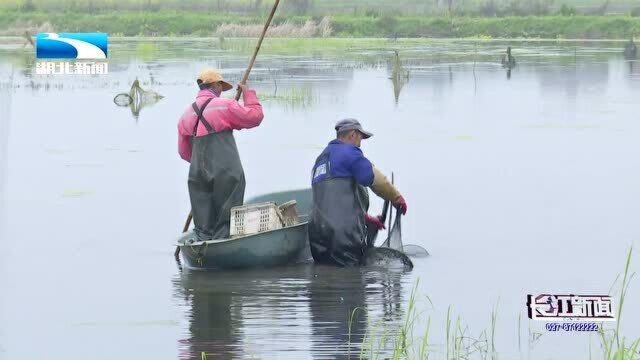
pixel 137 98
pixel 415 251
pixel 394 240
pixel 122 99
pixel 392 252
pixel 389 255
pixel 388 258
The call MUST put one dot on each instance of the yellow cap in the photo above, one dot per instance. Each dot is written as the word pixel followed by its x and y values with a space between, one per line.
pixel 210 76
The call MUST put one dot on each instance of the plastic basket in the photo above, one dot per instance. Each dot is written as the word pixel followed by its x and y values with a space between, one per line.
pixel 254 218
pixel 289 213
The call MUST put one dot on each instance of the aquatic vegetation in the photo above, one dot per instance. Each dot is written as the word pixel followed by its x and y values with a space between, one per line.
pixel 297 96
pixel 371 8
pixel 147 50
pixel 502 27
pixel 286 29
pixel 381 342
pixel 399 342
pixel 611 340
pixel 190 23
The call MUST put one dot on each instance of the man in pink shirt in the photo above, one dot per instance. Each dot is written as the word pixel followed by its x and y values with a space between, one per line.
pixel 205 139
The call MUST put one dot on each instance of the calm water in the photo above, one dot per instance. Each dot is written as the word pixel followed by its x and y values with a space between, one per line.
pixel 516 185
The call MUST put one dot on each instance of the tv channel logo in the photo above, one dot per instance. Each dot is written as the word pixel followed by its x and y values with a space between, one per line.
pixel 71 45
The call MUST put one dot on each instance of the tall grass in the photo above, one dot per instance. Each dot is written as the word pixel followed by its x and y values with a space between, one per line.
pixel 324 7
pixel 611 340
pixel 309 29
pixel 171 23
pixel 294 97
pixel 460 344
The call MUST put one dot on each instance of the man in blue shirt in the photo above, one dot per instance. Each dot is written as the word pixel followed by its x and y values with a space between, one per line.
pixel 340 177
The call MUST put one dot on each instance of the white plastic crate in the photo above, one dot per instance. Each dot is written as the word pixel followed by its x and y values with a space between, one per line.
pixel 254 218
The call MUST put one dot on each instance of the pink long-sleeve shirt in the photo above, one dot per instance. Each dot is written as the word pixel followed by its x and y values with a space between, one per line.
pixel 222 114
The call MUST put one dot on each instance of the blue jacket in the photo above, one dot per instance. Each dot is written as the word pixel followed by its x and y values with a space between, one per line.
pixel 340 160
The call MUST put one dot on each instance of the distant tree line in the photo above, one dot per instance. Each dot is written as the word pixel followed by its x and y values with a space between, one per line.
pixel 492 8
pixel 230 6
pixel 201 23
pixel 389 8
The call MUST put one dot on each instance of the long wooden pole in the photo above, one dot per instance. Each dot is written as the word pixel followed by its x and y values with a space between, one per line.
pixel 255 52
pixel 243 81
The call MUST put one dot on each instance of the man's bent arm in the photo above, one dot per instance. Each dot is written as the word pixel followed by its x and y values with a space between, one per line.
pixel 248 116
pixel 383 187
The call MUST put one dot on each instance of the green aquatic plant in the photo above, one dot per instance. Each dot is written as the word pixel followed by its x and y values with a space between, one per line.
pixel 611 340
pixel 460 344
pixel 285 29
pixel 147 50
pixel 296 96
pixel 198 23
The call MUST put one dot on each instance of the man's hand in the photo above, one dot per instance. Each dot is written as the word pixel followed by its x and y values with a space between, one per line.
pixel 243 87
pixel 401 204
pixel 374 221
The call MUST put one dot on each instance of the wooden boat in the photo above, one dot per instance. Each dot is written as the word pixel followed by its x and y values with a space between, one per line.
pixel 284 246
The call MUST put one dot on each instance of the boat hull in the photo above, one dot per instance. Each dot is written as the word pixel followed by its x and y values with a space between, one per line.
pixel 272 248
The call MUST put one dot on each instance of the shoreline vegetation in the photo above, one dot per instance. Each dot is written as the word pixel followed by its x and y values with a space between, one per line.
pixel 201 24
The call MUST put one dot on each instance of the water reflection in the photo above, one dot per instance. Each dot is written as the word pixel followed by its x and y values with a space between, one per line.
pixel 349 305
pixel 212 322
pixel 231 312
pixel 554 97
pixel 573 79
pixel 630 50
pixel 634 68
pixel 338 312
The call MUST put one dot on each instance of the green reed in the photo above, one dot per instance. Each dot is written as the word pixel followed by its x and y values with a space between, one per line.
pixel 611 340
pixel 197 23
pixel 399 343
pixel 296 96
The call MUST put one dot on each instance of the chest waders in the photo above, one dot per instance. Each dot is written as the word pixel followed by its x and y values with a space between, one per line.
pixel 216 179
pixel 337 228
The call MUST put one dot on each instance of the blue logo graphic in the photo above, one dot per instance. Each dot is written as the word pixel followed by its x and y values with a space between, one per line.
pixel 71 45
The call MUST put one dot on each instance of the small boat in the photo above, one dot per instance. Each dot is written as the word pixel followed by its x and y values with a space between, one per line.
pixel 285 246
